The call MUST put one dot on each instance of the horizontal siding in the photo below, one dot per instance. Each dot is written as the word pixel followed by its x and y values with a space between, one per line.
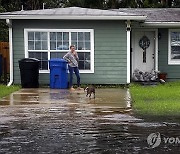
pixel 86 79
pixel 173 71
pixel 109 44
pixel 110 48
pixel 109 64
pixel 107 48
pixel 98 60
pixel 109 56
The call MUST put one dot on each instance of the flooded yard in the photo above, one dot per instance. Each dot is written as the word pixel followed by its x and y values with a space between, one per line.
pixel 59 121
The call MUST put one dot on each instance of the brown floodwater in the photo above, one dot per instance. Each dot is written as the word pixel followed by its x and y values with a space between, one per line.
pixel 60 121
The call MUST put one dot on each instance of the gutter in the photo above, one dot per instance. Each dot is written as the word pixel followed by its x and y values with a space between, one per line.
pixel 65 17
pixel 161 24
pixel 9 23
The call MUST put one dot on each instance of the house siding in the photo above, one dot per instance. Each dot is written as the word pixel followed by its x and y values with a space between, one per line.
pixel 110 65
pixel 173 71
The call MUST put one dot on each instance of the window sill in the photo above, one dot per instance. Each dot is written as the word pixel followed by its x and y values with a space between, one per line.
pixel 174 62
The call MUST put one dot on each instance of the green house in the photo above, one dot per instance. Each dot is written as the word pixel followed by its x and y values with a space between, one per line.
pixel 111 44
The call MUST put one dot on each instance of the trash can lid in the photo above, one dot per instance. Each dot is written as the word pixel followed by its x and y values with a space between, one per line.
pixel 29 60
pixel 58 60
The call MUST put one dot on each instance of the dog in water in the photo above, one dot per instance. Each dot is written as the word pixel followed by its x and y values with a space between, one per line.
pixel 89 90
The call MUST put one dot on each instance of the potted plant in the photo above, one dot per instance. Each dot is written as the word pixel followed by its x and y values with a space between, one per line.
pixel 162 75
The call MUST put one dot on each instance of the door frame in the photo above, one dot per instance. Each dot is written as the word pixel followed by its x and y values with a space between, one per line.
pixel 155 46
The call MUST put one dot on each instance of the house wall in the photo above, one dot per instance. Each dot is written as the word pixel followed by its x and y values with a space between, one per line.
pixel 110 48
pixel 173 71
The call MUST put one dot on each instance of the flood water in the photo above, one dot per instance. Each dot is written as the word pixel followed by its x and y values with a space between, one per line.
pixel 60 121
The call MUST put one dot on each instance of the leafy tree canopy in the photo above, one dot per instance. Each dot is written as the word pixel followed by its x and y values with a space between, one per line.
pixel 16 5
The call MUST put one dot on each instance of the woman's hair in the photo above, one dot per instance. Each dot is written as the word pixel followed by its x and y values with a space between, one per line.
pixel 72 46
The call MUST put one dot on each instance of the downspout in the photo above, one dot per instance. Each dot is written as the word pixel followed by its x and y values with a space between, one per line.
pixel 128 29
pixel 9 23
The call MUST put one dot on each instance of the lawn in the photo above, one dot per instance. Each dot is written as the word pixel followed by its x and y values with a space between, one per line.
pixel 4 90
pixel 161 100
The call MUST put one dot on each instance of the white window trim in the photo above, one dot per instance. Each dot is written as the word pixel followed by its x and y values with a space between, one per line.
pixel 172 61
pixel 26 30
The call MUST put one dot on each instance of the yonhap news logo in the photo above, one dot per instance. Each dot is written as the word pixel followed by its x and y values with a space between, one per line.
pixel 155 139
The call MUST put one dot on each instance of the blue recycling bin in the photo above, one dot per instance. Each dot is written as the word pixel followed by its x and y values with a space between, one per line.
pixel 58 73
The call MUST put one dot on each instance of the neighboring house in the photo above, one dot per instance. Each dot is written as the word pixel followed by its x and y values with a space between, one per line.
pixel 111 43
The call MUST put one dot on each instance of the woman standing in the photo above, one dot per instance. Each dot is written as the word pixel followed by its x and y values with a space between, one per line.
pixel 72 58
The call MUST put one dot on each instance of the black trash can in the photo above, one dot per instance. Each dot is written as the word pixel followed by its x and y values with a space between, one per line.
pixel 29 70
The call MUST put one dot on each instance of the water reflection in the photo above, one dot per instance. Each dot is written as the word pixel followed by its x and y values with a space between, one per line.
pixel 60 121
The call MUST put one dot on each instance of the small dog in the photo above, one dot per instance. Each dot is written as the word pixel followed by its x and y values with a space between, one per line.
pixel 90 90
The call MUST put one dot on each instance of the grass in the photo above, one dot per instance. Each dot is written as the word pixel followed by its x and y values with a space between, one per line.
pixel 161 100
pixel 4 90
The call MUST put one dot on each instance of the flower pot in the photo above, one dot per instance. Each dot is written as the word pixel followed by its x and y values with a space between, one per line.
pixel 162 76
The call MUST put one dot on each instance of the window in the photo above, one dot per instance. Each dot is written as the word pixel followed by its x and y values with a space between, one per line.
pixel 45 44
pixel 59 40
pixel 174 47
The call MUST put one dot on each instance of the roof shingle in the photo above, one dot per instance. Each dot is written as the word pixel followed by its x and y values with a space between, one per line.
pixel 70 11
pixel 152 14
pixel 155 14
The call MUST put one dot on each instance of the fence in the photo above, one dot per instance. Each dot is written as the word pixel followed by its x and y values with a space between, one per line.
pixel 4 52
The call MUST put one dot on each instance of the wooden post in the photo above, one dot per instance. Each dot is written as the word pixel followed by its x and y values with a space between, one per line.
pixel 1 67
pixel 5 70
pixel 4 50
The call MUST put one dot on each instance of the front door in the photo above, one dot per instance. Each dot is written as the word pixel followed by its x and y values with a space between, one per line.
pixel 143 51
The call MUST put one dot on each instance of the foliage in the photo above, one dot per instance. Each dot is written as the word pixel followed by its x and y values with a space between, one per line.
pixel 16 5
pixel 156 100
pixel 3 31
